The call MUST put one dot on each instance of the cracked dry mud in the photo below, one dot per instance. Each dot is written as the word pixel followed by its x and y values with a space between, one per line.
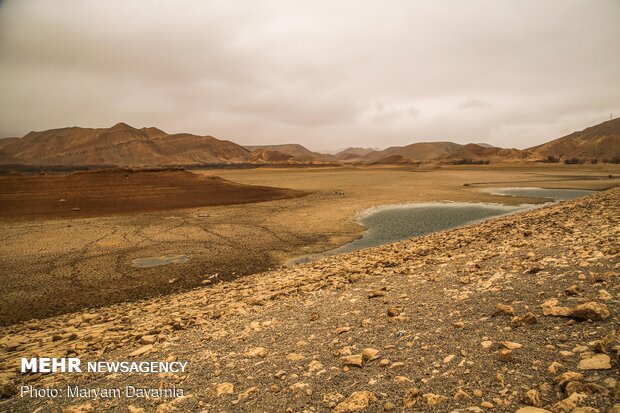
pixel 519 313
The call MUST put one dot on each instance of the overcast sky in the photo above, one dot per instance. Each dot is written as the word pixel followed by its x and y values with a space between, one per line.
pixel 327 74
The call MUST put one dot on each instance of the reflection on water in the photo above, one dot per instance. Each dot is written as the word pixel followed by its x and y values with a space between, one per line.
pixel 155 261
pixel 393 223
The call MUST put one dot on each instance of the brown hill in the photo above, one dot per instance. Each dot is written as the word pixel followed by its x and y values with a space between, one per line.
pixel 477 152
pixel 269 156
pixel 120 145
pixel 353 154
pixel 298 152
pixel 422 151
pixel 600 141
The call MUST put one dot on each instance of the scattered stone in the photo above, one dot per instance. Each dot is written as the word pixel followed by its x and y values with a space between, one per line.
pixel 532 398
pixel 142 350
pixel 503 309
pixel 531 409
pixel 461 395
pixel 526 319
pixel 388 406
pixel 411 397
pixel 511 345
pixel 505 355
pixel 590 311
pixel 133 409
pixel 572 290
pixel 315 366
pixel 569 403
pixel 295 357
pixel 148 339
pixel 355 360
pixel 434 399
pixel 448 359
pixel 356 402
pixel 487 405
pixel 402 379
pixel 376 293
pixel 553 367
pixel 550 307
pixel 332 398
pixel 257 352
pixel 224 388
pixel 370 354
pixel 567 377
pixel 393 311
pixel 246 394
pixel 596 362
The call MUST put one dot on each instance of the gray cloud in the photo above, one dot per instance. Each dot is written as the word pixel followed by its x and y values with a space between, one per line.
pixel 474 104
pixel 325 74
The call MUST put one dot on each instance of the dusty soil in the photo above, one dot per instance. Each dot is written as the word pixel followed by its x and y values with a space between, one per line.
pixel 512 315
pixel 122 191
pixel 54 266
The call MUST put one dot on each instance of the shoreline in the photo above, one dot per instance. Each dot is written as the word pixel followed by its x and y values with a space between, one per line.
pixel 43 277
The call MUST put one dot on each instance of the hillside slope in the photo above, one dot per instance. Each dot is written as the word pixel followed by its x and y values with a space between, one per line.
pixel 600 141
pixel 120 145
pixel 514 312
pixel 353 154
pixel 298 152
pixel 421 151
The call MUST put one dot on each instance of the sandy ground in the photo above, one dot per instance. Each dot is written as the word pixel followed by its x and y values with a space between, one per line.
pixel 54 266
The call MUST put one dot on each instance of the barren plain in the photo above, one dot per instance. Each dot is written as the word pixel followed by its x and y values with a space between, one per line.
pixel 516 314
pixel 52 266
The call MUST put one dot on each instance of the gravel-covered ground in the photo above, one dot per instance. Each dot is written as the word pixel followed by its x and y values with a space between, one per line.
pixel 514 314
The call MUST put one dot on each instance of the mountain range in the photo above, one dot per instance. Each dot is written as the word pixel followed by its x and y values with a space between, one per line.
pixel 126 146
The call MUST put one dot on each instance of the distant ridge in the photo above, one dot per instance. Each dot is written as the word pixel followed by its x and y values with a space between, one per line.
pixel 354 154
pixel 416 152
pixel 120 145
pixel 125 146
pixel 297 152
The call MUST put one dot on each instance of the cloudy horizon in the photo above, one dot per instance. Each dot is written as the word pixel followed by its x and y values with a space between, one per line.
pixel 327 75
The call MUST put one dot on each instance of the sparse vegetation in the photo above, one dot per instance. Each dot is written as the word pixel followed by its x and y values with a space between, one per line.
pixel 470 162
pixel 574 161
pixel 551 159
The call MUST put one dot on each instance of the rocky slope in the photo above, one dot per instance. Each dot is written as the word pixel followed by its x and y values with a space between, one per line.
pixel 354 154
pixel 296 153
pixel 120 145
pixel 600 142
pixel 421 151
pixel 515 314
